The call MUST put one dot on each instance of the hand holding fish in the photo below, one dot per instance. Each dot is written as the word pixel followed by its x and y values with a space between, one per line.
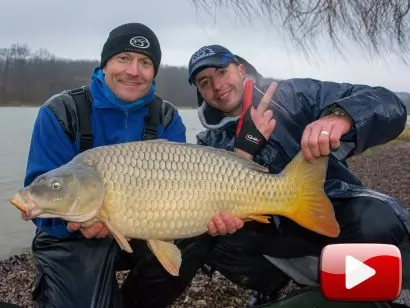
pixel 224 223
pixel 97 230
pixel 323 135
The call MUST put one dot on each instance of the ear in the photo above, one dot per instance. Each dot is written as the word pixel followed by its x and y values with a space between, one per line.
pixel 242 71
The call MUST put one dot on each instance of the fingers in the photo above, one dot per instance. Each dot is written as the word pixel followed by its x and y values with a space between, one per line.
pixel 223 224
pixel 212 230
pixel 230 222
pixel 304 144
pixel 334 138
pixel 92 231
pixel 319 139
pixel 73 226
pixel 220 224
pixel 103 232
pixel 261 116
pixel 269 122
pixel 323 148
pixel 238 223
pixel 264 103
pixel 264 123
pixel 316 141
pixel 97 230
pixel 271 125
pixel 267 116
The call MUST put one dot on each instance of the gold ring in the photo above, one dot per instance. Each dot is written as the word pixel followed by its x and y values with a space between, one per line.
pixel 325 132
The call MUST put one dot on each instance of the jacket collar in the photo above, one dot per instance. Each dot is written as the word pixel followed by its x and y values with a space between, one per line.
pixel 105 98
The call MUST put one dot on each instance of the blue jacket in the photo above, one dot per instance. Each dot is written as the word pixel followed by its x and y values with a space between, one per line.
pixel 112 122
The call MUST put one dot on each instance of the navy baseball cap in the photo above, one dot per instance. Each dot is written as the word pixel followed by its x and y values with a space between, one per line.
pixel 209 56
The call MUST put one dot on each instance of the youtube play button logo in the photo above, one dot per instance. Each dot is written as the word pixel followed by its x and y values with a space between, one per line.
pixel 361 272
pixel 356 272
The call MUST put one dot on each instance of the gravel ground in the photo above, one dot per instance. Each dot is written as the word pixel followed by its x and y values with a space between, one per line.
pixel 386 169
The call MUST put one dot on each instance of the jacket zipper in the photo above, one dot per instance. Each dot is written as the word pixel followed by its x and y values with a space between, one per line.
pixel 126 125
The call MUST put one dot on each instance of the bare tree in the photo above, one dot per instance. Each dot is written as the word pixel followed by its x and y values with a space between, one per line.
pixel 42 54
pixel 377 26
pixel 31 77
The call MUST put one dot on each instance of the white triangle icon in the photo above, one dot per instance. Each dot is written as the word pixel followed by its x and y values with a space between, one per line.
pixel 357 272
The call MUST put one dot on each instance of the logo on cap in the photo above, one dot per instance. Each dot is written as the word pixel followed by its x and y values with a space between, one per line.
pixel 202 53
pixel 139 42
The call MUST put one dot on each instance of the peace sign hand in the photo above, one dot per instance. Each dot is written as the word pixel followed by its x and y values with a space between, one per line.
pixel 255 125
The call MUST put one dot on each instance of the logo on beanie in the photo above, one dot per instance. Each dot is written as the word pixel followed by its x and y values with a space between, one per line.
pixel 202 53
pixel 139 42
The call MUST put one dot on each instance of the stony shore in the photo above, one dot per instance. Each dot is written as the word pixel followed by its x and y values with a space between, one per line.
pixel 386 169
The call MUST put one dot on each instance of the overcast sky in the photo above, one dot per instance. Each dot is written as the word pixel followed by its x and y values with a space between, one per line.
pixel 78 28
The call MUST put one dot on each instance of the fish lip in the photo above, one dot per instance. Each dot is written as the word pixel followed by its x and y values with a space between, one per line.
pixel 21 204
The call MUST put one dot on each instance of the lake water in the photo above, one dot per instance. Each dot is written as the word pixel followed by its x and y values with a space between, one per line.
pixel 15 133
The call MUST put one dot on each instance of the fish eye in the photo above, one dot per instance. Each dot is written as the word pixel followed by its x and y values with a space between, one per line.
pixel 55 185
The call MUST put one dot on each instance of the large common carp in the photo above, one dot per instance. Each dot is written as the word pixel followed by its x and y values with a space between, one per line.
pixel 160 191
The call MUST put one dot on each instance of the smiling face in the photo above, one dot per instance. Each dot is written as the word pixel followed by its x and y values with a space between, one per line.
pixel 222 88
pixel 129 75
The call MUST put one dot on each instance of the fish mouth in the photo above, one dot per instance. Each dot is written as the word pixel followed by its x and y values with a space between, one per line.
pixel 20 203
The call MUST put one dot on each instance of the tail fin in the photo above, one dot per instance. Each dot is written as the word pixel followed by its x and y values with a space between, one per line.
pixel 312 208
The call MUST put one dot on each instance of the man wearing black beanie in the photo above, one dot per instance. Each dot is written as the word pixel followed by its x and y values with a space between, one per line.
pixel 132 37
pixel 75 265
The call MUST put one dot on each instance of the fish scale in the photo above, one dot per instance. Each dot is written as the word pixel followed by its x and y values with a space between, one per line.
pixel 160 191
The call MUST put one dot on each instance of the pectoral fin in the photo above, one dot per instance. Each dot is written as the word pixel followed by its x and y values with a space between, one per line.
pixel 260 218
pixel 168 255
pixel 118 236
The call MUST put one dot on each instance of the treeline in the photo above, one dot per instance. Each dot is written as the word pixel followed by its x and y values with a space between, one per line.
pixel 30 77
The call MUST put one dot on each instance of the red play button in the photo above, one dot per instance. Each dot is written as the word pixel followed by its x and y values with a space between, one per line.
pixel 361 272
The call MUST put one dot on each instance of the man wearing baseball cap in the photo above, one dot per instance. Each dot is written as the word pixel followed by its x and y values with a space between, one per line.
pixel 270 123
pixel 75 265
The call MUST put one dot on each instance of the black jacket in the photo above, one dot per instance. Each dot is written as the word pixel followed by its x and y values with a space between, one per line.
pixel 377 113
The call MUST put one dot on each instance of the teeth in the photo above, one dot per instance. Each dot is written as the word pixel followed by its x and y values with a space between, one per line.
pixel 129 84
pixel 224 95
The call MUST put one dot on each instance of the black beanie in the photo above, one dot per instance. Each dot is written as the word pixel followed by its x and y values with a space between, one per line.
pixel 134 37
